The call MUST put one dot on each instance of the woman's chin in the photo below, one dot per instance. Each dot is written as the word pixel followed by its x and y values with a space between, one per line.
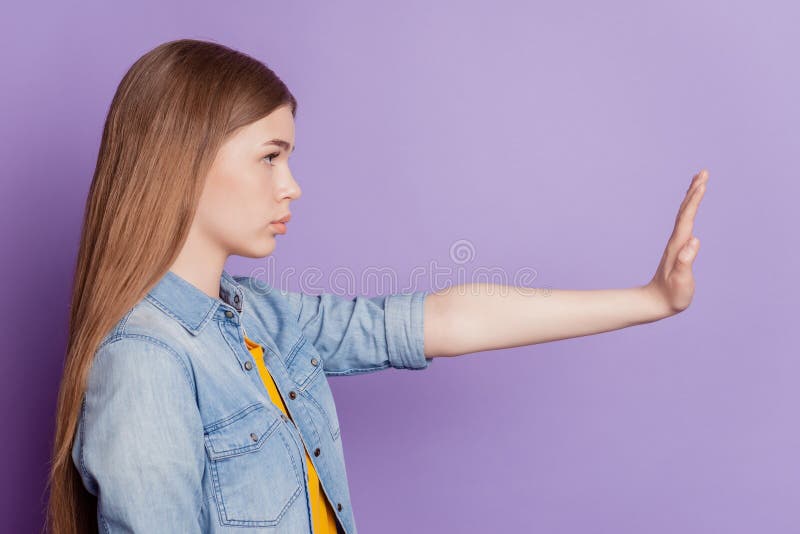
pixel 259 249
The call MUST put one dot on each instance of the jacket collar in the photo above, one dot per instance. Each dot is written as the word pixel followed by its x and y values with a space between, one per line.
pixel 190 306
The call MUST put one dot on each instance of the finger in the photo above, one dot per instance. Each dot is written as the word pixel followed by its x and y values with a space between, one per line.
pixel 683 226
pixel 701 177
pixel 686 256
pixel 689 193
pixel 683 229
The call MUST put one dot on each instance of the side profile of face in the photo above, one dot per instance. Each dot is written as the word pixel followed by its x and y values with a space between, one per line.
pixel 248 187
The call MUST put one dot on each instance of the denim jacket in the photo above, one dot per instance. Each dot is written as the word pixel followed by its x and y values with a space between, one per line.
pixel 177 433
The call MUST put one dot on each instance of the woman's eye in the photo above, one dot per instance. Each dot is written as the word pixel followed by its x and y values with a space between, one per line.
pixel 273 155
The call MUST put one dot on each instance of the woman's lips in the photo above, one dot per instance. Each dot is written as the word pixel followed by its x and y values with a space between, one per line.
pixel 278 228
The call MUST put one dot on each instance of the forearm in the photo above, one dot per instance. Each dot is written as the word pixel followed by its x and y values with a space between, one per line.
pixel 477 317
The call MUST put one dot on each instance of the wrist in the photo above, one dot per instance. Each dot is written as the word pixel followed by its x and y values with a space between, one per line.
pixel 655 303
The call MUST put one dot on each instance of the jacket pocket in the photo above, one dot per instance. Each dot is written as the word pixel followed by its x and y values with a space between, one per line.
pixel 255 474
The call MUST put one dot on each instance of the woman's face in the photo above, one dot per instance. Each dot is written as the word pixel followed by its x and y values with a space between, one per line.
pixel 248 187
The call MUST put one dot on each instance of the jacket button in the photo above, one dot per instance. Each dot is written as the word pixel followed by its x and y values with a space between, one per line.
pixel 228 314
pixel 339 506
pixel 292 395
pixel 248 365
pixel 236 299
pixel 316 451
pixel 314 362
pixel 253 436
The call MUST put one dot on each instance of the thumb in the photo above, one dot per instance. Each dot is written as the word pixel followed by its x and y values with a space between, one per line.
pixel 687 254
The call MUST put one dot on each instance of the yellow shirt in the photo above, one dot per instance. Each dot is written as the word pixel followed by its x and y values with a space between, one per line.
pixel 322 516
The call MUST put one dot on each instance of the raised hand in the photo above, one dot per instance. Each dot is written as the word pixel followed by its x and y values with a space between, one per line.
pixel 673 282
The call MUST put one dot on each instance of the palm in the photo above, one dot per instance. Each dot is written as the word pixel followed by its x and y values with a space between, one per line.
pixel 673 281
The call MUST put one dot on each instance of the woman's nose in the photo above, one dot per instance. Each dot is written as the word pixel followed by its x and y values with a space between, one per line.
pixel 294 188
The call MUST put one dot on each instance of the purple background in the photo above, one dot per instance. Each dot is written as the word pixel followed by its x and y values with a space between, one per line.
pixel 557 137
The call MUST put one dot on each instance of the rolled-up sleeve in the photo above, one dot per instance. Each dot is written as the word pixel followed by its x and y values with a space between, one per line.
pixel 364 334
pixel 141 436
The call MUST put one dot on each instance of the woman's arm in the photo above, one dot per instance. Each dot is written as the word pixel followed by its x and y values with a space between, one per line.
pixel 140 449
pixel 489 316
pixel 477 317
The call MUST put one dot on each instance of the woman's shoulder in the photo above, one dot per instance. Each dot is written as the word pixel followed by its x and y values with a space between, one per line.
pixel 264 298
pixel 143 330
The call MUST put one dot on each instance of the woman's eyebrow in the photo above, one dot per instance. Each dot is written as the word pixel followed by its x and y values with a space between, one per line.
pixel 281 143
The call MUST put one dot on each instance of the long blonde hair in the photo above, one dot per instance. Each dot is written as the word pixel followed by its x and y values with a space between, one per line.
pixel 170 114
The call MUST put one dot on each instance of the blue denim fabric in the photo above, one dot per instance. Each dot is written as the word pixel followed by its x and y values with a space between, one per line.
pixel 177 432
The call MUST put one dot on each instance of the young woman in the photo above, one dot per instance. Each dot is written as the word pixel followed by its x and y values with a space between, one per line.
pixel 197 401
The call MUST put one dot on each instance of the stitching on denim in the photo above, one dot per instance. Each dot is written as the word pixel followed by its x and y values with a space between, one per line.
pixel 395 353
pixel 417 324
pixel 325 415
pixel 194 329
pixel 268 349
pixel 220 324
pixel 405 351
pixel 225 421
pixel 263 345
pixel 124 320
pixel 209 315
pixel 223 514
pixel 159 305
pixel 295 348
pixel 294 351
pixel 104 523
pixel 245 449
pixel 310 422
pixel 360 370
pixel 158 343
pixel 299 297
pixel 80 452
pixel 292 355
pixel 317 314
